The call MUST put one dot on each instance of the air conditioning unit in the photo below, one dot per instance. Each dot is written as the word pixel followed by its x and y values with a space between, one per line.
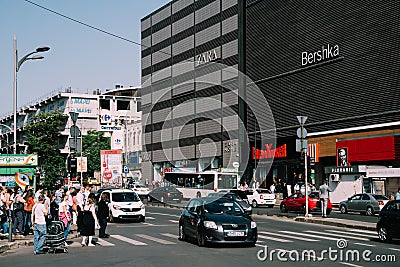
pixel 334 177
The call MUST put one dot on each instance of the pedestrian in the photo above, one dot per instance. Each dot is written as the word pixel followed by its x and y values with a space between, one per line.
pixel 39 213
pixel 58 194
pixel 3 212
pixel 397 196
pixel 102 215
pixel 272 188
pixel 47 201
pixel 89 222
pixel 81 199
pixel 324 197
pixel 74 207
pixel 65 215
pixel 18 207
pixel 391 197
pixel 29 203
pixel 54 210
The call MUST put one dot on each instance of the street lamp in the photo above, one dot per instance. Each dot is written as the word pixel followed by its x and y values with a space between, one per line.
pixel 17 65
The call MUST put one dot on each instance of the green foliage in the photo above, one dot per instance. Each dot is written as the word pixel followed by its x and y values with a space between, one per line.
pixel 43 132
pixel 92 143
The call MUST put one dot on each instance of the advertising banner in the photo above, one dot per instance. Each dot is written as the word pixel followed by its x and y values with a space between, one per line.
pixel 111 167
pixel 82 164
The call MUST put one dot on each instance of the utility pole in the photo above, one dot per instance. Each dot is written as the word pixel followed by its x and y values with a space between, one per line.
pixel 302 146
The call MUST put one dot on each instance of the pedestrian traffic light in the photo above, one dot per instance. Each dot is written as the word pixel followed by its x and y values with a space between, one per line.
pixel 72 165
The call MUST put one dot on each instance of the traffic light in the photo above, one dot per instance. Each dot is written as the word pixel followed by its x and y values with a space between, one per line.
pixel 72 165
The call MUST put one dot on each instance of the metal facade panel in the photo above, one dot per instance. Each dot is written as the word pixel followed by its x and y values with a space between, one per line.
pixel 183 110
pixel 209 149
pixel 183 45
pixel 208 127
pixel 162 155
pixel 230 123
pixel 146 43
pixel 228 3
pixel 230 24
pixel 146 61
pixel 186 152
pixel 230 73
pixel 161 14
pixel 183 131
pixel 145 24
pixel 161 115
pixel 161 55
pixel 181 4
pixel 208 34
pixel 211 103
pixel 230 49
pixel 183 24
pixel 183 88
pixel 207 11
pixel 230 98
pixel 161 35
pixel 162 95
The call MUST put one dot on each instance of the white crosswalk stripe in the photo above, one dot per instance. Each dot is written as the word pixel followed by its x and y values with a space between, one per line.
pixel 361 231
pixel 155 239
pixel 129 240
pixel 352 233
pixel 288 236
pixel 320 236
pixel 274 239
pixel 104 243
pixel 338 236
pixel 170 235
pixel 173 221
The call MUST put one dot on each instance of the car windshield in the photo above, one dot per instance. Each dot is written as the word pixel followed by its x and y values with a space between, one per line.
pixel 125 197
pixel 380 197
pixel 314 195
pixel 223 207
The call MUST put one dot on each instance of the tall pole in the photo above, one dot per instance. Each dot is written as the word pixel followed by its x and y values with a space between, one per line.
pixel 15 93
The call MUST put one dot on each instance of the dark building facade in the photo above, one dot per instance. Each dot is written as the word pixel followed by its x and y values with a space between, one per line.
pixel 332 61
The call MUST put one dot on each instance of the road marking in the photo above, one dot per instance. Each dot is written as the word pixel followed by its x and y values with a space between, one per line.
pixel 293 237
pixel 104 243
pixel 302 234
pixel 367 245
pixel 164 214
pixel 274 239
pixel 150 218
pixel 396 249
pixel 128 240
pixel 350 264
pixel 338 236
pixel 355 234
pixel 145 223
pixel 362 231
pixel 173 221
pixel 155 239
pixel 170 235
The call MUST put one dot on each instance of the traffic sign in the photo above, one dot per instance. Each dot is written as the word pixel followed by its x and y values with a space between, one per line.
pixel 126 169
pixel 301 145
pixel 302 119
pixel 301 132
pixel 74 131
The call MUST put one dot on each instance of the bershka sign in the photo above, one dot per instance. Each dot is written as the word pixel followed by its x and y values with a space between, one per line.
pixel 269 153
pixel 325 53
pixel 206 57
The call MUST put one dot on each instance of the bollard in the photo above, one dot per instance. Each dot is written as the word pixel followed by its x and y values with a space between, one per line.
pixel 10 229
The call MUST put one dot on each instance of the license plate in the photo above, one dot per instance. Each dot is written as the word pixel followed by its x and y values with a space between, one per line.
pixel 235 233
pixel 175 199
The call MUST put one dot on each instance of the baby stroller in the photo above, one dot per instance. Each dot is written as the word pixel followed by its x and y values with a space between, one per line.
pixel 54 239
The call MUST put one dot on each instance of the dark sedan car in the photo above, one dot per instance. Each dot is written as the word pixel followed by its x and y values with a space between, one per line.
pixel 165 194
pixel 216 220
pixel 389 221
pixel 367 203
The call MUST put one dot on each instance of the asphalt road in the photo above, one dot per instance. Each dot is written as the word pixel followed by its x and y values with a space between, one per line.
pixel 155 243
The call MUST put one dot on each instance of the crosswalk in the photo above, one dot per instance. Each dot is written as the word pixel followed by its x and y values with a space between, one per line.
pixel 264 237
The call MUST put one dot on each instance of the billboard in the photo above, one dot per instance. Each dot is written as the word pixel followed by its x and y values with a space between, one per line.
pixel 111 167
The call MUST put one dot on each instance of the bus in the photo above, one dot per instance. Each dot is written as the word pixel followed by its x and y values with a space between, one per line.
pixel 200 184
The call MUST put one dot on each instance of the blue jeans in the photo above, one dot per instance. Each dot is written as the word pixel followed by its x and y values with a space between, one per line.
pixel 27 222
pixel 39 232
pixel 103 225
pixel 18 222
pixel 66 231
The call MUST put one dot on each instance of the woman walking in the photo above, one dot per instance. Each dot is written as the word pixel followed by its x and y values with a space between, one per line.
pixel 64 215
pixel 29 202
pixel 89 221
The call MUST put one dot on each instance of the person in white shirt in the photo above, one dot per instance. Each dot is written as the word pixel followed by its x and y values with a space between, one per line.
pixel 39 213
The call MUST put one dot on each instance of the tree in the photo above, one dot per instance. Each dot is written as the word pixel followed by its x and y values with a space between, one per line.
pixel 92 143
pixel 43 132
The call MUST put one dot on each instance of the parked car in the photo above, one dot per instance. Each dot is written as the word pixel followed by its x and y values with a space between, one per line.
pixel 124 204
pixel 165 194
pixel 389 221
pixel 235 195
pixel 366 203
pixel 261 197
pixel 218 220
pixel 141 190
pixel 297 202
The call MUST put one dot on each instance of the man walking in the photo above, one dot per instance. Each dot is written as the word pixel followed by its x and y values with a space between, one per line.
pixel 39 213
pixel 324 196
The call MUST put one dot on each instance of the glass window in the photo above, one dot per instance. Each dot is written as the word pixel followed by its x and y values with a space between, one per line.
pixel 122 105
pixel 227 181
pixel 356 197
pixel 105 104
pixel 365 197
pixel 380 197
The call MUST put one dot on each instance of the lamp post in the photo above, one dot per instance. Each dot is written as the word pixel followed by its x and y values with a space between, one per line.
pixel 17 65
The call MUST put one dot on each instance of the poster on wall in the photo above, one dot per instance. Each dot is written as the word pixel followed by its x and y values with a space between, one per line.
pixel 111 167
pixel 342 157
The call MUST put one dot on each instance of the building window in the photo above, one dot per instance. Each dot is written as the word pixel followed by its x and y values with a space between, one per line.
pixel 133 139
pixel 122 105
pixel 105 104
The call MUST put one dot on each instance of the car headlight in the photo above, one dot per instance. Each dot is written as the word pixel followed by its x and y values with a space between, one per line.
pixel 142 206
pixel 253 225
pixel 210 225
pixel 116 207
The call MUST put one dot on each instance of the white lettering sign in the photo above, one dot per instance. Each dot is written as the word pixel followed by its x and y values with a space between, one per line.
pixel 206 57
pixel 325 53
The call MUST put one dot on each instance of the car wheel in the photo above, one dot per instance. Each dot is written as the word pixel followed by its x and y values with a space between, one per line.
pixel 383 234
pixel 283 208
pixel 182 234
pixel 200 239
pixel 162 199
pixel 254 204
pixel 142 219
pixel 343 209
pixel 369 211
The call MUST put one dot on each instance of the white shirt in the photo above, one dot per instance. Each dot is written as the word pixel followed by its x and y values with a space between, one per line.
pixel 40 211
pixel 80 199
pixel 61 207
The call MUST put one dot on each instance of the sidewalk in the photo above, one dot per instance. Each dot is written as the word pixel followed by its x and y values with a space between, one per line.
pixel 25 241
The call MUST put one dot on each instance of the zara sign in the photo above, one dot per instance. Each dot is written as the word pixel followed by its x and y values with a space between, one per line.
pixel 206 57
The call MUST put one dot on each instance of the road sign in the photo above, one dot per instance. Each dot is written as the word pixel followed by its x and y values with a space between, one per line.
pixel 126 169
pixel 302 119
pixel 74 131
pixel 301 132
pixel 299 146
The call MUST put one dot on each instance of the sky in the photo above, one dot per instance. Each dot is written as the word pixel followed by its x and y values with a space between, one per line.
pixel 79 57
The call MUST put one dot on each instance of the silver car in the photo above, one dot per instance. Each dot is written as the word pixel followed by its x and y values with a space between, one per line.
pixel 366 203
